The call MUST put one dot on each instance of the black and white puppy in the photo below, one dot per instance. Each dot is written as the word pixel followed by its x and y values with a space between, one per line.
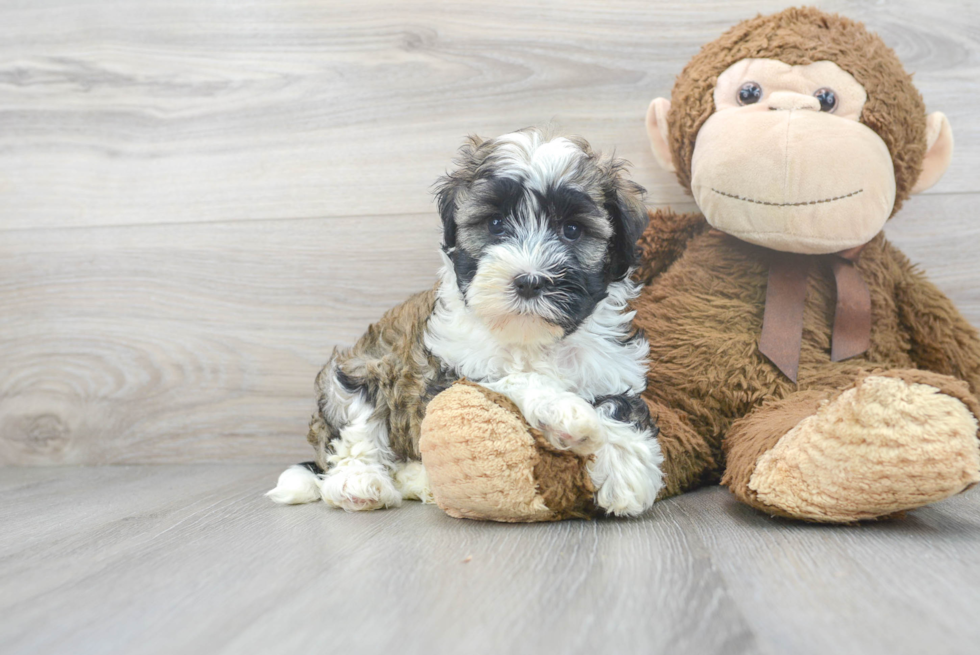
pixel 539 240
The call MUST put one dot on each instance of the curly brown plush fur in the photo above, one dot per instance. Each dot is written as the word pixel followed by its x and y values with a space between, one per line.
pixel 703 316
pixel 723 407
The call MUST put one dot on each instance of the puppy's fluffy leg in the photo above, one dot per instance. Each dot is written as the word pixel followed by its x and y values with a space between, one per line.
pixel 413 482
pixel 297 484
pixel 357 477
pixel 627 468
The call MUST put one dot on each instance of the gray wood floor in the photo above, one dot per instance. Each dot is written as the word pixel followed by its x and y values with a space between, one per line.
pixel 192 559
pixel 200 199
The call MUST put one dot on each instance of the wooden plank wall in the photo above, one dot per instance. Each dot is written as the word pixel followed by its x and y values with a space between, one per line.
pixel 199 199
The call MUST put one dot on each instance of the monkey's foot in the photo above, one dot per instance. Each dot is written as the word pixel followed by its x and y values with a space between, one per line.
pixel 884 446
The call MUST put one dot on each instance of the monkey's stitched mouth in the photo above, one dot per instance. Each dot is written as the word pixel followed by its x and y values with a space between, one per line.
pixel 786 204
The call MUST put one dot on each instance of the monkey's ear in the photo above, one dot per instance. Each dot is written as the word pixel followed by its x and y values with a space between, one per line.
pixel 939 150
pixel 658 133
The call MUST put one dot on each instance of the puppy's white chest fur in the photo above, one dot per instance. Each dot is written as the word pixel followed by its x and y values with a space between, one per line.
pixel 598 359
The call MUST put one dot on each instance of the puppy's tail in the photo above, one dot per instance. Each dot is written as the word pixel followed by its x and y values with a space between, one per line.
pixel 299 483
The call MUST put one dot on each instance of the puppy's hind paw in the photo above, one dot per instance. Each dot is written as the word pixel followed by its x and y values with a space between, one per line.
pixel 297 484
pixel 355 486
pixel 412 482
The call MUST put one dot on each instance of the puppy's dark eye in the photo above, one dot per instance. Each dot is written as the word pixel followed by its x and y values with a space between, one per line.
pixel 749 93
pixel 571 230
pixel 496 226
pixel 827 98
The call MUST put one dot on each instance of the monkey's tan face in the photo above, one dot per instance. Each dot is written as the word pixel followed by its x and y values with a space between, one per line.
pixel 785 163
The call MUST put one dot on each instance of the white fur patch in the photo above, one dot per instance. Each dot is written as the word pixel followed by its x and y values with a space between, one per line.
pixel 296 485
pixel 627 470
pixel 527 156
pixel 412 482
pixel 358 476
pixel 356 485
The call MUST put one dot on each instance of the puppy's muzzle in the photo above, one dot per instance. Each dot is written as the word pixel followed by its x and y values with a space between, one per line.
pixel 529 286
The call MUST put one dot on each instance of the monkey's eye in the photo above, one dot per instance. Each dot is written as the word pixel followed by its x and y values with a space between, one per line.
pixel 496 226
pixel 749 93
pixel 827 98
pixel 571 230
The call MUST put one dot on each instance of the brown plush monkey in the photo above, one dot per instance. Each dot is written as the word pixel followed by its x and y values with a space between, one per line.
pixel 795 353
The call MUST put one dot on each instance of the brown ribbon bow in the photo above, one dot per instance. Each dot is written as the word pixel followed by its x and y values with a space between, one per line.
pixel 782 323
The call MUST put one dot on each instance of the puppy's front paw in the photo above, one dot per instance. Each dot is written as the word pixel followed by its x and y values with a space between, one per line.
pixel 355 486
pixel 571 423
pixel 627 474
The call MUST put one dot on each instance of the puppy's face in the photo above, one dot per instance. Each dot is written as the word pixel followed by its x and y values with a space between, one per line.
pixel 536 230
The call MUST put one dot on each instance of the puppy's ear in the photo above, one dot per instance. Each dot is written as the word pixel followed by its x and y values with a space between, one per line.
pixel 450 188
pixel 447 190
pixel 624 202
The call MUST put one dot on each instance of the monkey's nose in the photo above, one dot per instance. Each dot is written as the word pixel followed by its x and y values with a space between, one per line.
pixel 528 286
pixel 789 100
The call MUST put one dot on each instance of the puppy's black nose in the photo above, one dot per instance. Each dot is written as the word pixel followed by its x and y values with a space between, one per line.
pixel 528 286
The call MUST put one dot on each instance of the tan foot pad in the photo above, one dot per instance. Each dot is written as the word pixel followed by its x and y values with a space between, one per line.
pixel 882 447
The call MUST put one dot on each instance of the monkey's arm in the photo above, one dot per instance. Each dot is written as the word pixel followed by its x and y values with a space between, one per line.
pixel 663 241
pixel 941 339
pixel 689 462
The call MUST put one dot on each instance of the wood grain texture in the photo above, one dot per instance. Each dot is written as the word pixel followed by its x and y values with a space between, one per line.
pixel 905 586
pixel 198 200
pixel 200 342
pixel 192 559
pixel 189 110
pixel 188 343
